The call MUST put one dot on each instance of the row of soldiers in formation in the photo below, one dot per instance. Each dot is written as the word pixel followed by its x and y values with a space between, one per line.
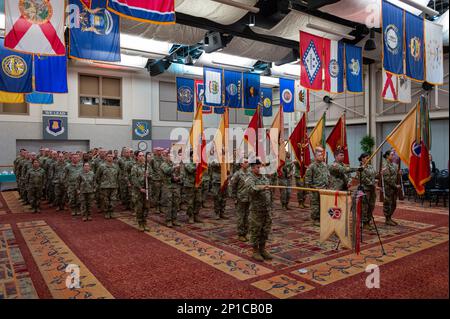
pixel 152 180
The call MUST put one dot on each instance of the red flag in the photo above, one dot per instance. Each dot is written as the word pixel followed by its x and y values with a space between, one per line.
pixel 196 139
pixel 251 134
pixel 87 3
pixel 338 138
pixel 311 61
pixel 300 145
pixel 419 167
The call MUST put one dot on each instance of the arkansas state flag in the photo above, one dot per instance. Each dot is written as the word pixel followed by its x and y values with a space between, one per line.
pixel 35 26
pixel 154 11
pixel 311 51
pixel 333 66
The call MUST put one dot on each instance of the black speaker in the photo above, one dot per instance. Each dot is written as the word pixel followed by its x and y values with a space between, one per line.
pixel 327 99
pixel 427 86
pixel 157 67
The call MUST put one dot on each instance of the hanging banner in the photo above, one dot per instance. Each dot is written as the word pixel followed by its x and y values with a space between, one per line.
pixel 267 101
pixel 212 78
pixel 8 97
pixel 301 97
pixel 404 89
pixel 200 96
pixel 311 47
pixel 54 125
pixel 233 88
pixel 287 89
pixel 95 33
pixel 50 74
pixel 252 95
pixel 333 66
pixel 389 91
pixel 16 71
pixel 185 95
pixel 392 38
pixel 434 57
pixel 353 60
pixel 414 46
pixel 155 11
pixel 39 98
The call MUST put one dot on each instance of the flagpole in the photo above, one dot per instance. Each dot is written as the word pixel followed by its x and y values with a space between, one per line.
pixel 308 189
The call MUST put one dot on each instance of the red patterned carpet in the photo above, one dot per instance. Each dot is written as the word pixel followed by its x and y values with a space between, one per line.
pixel 206 261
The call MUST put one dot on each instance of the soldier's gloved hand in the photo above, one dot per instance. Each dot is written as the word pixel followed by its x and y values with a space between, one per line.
pixel 360 169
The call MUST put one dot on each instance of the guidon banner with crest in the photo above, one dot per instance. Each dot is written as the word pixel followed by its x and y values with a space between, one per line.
pixel 35 26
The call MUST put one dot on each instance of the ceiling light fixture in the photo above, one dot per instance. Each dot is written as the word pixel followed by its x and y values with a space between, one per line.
pixel 327 30
pixel 252 20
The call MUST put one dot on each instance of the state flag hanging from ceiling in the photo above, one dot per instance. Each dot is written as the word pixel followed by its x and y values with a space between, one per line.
pixel 200 96
pixel 35 26
pixel 233 89
pixel 50 74
pixel 404 89
pixel 39 98
pixel 267 101
pixel 333 66
pixel 389 89
pixel 8 97
pixel 154 11
pixel 212 78
pixel 16 71
pixel 301 97
pixel 392 38
pixel 287 90
pixel 219 110
pixel 311 57
pixel 434 57
pixel 95 34
pixel 414 46
pixel 185 95
pixel 252 95
pixel 353 73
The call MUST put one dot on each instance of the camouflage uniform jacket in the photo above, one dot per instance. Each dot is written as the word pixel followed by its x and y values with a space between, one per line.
pixel 390 172
pixel 155 168
pixel 167 170
pixel 215 172
pixel 71 173
pixel 86 182
pixel 240 185
pixel 35 177
pixel 286 170
pixel 58 172
pixel 368 177
pixel 189 174
pixel 317 175
pixel 340 175
pixel 259 198
pixel 137 176
pixel 107 176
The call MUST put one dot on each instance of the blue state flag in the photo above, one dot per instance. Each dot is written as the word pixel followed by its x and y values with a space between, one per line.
pixel 185 95
pixel 353 60
pixel 414 46
pixel 251 90
pixel 39 98
pixel 50 74
pixel 219 110
pixel 287 91
pixel 16 71
pixel 95 34
pixel 392 38
pixel 233 89
pixel 267 101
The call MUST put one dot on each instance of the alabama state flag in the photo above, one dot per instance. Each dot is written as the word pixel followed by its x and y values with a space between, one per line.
pixel 35 26
pixel 311 57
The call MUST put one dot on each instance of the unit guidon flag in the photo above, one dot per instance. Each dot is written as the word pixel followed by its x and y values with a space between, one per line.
pixel 152 11
pixel 35 26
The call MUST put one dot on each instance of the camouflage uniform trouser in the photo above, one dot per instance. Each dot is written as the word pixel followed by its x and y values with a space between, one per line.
pixel 73 199
pixel 260 224
pixel 205 191
pixel 86 200
pixel 171 203
pixel 219 198
pixel 156 194
pixel 35 196
pixel 301 195
pixel 24 190
pixel 390 201
pixel 59 195
pixel 242 222
pixel 138 200
pixel 194 200
pixel 108 198
pixel 315 206
pixel 368 204
pixel 125 193
pixel 285 193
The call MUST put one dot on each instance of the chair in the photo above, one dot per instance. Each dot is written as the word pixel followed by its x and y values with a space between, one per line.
pixel 432 191
pixel 442 181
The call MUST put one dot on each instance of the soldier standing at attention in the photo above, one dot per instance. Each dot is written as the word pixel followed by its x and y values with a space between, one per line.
pixel 58 182
pixel 367 179
pixel 138 192
pixel 299 182
pixel 285 179
pixel 239 185
pixel 35 181
pixel 170 195
pixel 71 173
pixel 22 158
pixel 97 163
pixel 124 163
pixel 156 175
pixel 206 185
pixel 340 173
pixel 317 176
pixel 27 166
pixel 86 189
pixel 260 217
pixel 107 178
pixel 390 171
pixel 193 194
pixel 219 194
pixel 49 177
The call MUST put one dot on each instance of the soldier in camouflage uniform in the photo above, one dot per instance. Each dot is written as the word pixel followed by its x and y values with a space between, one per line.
pixel 299 182
pixel 23 174
pixel 97 162
pixel 285 179
pixel 170 192
pixel 20 160
pixel 206 185
pixel 317 176
pixel 155 177
pixel 193 194
pixel 138 192
pixel 125 163
pixel 367 179
pixel 86 189
pixel 390 172
pixel 35 181
pixel 49 176
pixel 71 173
pixel 260 217
pixel 107 178
pixel 57 173
pixel 273 180
pixel 219 194
pixel 43 160
pixel 239 186
pixel 340 173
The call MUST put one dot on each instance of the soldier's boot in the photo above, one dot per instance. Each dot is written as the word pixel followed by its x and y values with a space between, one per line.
pixel 394 222
pixel 58 209
pixel 85 218
pixel 38 210
pixel 223 216
pixel 301 205
pixel 368 226
pixel 169 224
pixel 257 254
pixel 286 206
pixel 89 218
pixel 191 220
pixel 175 223
pixel 243 238
pixel 34 211
pixel 74 212
pixel 390 222
pixel 197 219
pixel 146 227
pixel 141 227
pixel 264 253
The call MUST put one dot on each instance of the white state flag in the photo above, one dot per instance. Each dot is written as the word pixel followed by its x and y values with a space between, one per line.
pixel 213 87
pixel 389 88
pixel 434 58
pixel 404 89
pixel 301 98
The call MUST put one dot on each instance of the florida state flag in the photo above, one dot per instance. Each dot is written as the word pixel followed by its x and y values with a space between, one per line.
pixel 311 57
pixel 35 26
pixel 338 138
